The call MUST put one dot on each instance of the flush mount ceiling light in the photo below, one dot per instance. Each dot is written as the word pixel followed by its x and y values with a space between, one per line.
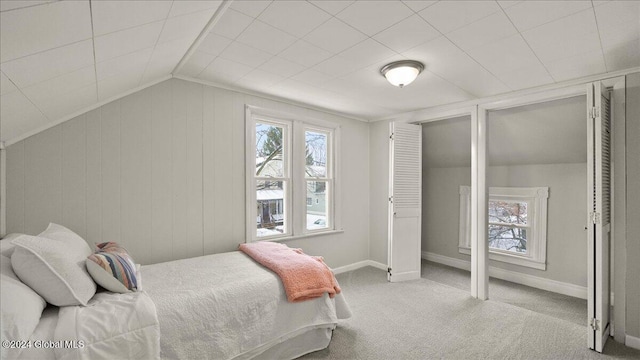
pixel 401 73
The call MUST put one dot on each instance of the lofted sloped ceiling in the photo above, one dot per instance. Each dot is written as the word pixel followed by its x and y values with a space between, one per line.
pixel 60 57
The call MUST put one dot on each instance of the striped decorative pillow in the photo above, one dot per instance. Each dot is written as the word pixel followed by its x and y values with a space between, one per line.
pixel 112 267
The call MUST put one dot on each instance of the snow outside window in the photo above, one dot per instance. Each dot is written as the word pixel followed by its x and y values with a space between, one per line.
pixel 517 225
pixel 291 176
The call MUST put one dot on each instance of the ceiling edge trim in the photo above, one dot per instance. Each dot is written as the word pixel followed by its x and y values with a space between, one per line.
pixel 83 111
pixel 418 114
pixel 203 34
pixel 269 97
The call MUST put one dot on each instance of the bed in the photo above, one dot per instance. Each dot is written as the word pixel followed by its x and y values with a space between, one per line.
pixel 221 306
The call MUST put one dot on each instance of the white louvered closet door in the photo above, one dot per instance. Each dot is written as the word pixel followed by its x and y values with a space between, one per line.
pixel 599 194
pixel 405 201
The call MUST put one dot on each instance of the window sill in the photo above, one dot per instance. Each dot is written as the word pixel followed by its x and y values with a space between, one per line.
pixel 511 259
pixel 309 235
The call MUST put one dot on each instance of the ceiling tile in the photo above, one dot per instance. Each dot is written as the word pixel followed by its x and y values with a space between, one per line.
pixel 597 3
pixel 447 16
pixel 307 17
pixel 197 62
pixel 246 55
pixel 213 44
pixel 508 3
pixel 18 4
pixel 6 86
pixel 261 78
pixel 110 16
pixel 529 14
pixel 427 90
pixel 185 26
pixel 335 36
pixel 489 29
pixel 19 116
pixel 173 50
pixel 332 6
pixel 266 37
pixel 164 59
pixel 312 77
pixel 620 33
pixel 337 66
pixel 618 22
pixel 526 77
pixel 505 55
pixel 366 53
pixel 566 37
pixel 252 8
pixel 118 84
pixel 303 53
pixel 406 34
pixel 63 104
pixel 231 24
pixel 60 85
pixel 371 17
pixel 35 29
pixel 281 67
pixel 623 56
pixel 443 58
pixel 123 64
pixel 222 70
pixel 418 5
pixel 431 90
pixel 183 7
pixel 35 68
pixel 127 41
pixel 577 66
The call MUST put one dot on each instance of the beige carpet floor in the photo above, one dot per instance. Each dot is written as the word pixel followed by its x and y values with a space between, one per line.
pixel 425 319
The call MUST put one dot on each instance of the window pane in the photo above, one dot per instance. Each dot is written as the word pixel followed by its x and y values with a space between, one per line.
pixel 508 238
pixel 269 150
pixel 508 212
pixel 316 154
pixel 317 210
pixel 271 212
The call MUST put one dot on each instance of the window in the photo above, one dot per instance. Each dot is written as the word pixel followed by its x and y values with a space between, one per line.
pixel 517 225
pixel 290 176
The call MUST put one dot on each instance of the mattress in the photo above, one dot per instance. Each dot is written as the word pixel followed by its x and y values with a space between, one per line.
pixel 227 306
pixel 43 332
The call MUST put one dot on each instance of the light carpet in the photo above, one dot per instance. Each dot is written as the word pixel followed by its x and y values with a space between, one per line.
pixel 540 301
pixel 423 319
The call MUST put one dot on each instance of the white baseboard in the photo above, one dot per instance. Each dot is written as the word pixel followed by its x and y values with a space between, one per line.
pixel 445 260
pixel 358 265
pixel 632 342
pixel 513 276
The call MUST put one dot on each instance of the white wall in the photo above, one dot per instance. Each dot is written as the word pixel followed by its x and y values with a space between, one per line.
pixel 379 197
pixel 162 172
pixel 566 237
pixel 633 205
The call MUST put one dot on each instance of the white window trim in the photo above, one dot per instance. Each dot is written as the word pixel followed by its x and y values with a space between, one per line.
pixel 296 205
pixel 537 198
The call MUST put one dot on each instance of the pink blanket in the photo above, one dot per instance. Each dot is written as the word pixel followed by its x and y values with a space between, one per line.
pixel 304 277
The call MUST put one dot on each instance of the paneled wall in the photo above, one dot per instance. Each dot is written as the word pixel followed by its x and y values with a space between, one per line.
pixel 162 172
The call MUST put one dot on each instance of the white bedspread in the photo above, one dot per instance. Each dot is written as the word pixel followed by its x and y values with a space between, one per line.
pixel 227 306
pixel 111 326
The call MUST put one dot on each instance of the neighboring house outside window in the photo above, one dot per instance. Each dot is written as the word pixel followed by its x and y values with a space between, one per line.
pixel 286 156
pixel 517 225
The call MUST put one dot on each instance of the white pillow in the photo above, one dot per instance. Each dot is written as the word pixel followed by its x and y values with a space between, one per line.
pixel 53 264
pixel 21 308
pixel 6 247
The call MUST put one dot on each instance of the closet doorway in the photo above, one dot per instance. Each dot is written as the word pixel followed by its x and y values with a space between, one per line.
pixel 446 201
